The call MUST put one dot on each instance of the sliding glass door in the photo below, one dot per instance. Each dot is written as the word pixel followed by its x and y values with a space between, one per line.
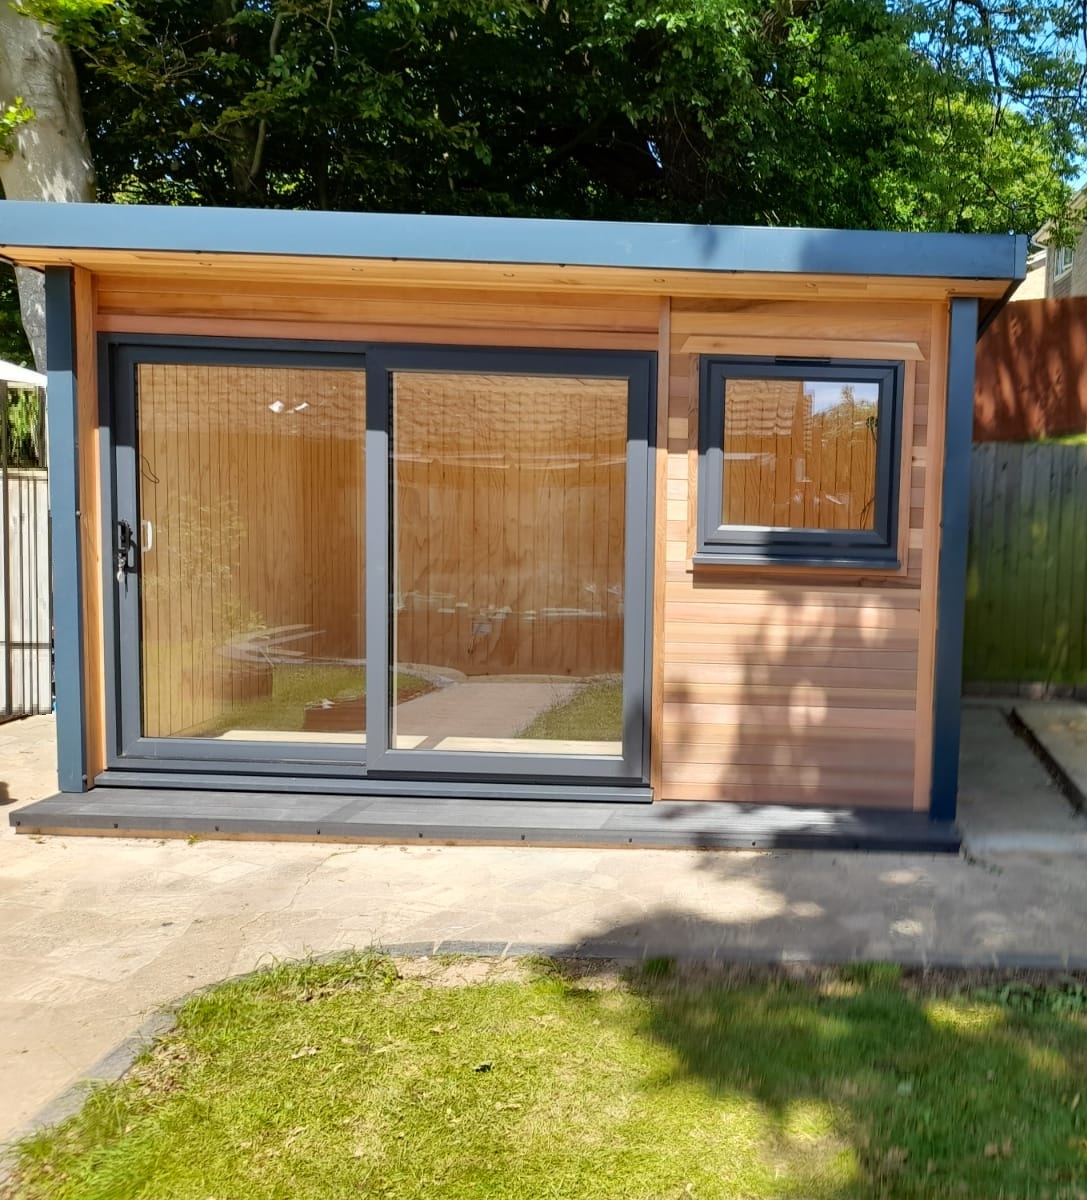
pixel 239 553
pixel 510 608
pixel 417 561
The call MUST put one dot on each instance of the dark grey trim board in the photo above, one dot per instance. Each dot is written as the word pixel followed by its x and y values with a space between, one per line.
pixel 951 573
pixel 208 776
pixel 63 444
pixel 666 824
pixel 512 240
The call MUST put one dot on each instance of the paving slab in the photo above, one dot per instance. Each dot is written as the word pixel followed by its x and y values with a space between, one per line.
pixel 1060 729
pixel 479 708
pixel 1008 800
pixel 98 934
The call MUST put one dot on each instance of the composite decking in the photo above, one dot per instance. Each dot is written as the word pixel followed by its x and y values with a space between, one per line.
pixel 176 812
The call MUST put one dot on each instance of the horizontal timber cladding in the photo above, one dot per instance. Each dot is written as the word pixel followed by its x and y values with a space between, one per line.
pixel 797 685
pixel 295 307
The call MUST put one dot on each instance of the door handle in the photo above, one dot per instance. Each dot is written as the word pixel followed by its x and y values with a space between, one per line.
pixel 147 541
pixel 126 543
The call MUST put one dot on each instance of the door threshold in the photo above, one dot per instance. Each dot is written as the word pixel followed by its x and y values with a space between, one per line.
pixel 445 788
pixel 677 825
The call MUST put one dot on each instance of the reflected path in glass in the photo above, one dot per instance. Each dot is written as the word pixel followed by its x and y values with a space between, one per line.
pixel 508 561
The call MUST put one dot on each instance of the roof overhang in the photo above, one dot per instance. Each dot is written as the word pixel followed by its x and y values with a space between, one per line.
pixel 37 234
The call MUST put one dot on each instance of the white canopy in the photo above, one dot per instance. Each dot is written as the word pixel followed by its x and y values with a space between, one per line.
pixel 20 376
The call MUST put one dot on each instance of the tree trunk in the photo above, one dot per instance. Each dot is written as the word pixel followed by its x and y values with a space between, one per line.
pixel 51 158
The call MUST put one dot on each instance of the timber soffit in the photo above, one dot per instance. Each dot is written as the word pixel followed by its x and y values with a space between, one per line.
pixel 30 225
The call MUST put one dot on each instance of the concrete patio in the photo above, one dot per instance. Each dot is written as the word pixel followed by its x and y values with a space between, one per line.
pixel 98 933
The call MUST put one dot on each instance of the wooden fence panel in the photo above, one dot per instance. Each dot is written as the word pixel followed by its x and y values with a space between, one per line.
pixel 1026 603
pixel 26 684
pixel 1031 379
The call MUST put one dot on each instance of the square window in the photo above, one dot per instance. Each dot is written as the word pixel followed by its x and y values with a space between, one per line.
pixel 798 461
pixel 1063 258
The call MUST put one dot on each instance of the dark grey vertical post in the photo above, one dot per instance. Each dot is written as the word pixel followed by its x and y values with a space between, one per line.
pixel 951 583
pixel 379 531
pixel 63 440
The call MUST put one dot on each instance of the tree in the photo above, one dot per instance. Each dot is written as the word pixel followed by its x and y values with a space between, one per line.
pixel 933 114
pixel 44 152
pixel 909 114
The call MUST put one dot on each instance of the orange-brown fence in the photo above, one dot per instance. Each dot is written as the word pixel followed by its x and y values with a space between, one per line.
pixel 1032 372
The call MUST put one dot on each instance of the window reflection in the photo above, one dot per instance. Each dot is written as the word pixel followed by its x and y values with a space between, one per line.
pixel 800 454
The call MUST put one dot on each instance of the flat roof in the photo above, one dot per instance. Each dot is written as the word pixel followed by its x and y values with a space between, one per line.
pixel 33 225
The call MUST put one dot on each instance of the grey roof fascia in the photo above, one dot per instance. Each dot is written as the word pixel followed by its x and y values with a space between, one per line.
pixel 510 240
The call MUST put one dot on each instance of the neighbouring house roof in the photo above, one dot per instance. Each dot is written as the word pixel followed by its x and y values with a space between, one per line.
pixel 20 376
pixel 27 226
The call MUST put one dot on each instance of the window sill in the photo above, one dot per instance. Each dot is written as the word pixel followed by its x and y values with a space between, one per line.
pixel 888 562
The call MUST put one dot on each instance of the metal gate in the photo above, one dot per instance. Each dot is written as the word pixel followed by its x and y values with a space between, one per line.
pixel 26 672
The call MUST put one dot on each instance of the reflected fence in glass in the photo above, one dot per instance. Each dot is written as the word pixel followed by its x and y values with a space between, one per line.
pixel 508 547
pixel 800 453
pixel 251 501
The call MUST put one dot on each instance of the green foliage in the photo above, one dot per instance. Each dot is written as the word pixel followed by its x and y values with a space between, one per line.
pixel 12 115
pixel 872 974
pixel 13 344
pixel 25 425
pixel 1068 999
pixel 818 112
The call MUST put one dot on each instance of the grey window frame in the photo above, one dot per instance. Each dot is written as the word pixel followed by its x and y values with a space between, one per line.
pixel 751 545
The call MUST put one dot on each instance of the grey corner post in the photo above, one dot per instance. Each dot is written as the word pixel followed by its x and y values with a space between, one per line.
pixel 951 582
pixel 63 443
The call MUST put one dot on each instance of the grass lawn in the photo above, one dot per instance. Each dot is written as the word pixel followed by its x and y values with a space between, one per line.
pixel 594 714
pixel 293 687
pixel 344 1080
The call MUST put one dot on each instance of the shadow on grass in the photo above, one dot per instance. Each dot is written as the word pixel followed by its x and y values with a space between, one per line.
pixel 348 1078
pixel 955 1084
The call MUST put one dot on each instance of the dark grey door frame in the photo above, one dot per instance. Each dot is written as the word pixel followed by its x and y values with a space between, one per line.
pixel 216 762
pixel 639 369
pixel 125 740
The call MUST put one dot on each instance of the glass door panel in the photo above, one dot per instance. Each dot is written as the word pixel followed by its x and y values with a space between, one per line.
pixel 250 498
pixel 508 574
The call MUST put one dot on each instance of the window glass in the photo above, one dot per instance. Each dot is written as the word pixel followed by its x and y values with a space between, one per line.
pixel 509 552
pixel 251 494
pixel 800 453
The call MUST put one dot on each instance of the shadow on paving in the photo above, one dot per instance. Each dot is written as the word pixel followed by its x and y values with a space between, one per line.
pixel 951 1084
